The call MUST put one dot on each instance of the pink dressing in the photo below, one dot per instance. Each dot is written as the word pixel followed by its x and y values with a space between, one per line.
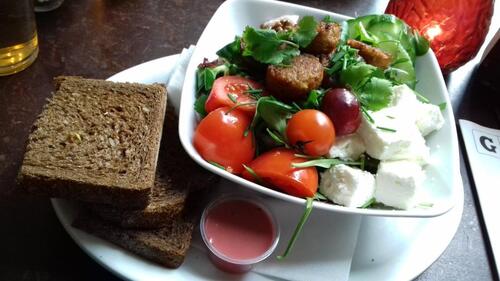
pixel 239 230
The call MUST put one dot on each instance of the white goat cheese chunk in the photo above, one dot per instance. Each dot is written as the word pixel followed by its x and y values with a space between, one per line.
pixel 398 183
pixel 392 136
pixel 348 147
pixel 426 116
pixel 405 101
pixel 429 118
pixel 347 186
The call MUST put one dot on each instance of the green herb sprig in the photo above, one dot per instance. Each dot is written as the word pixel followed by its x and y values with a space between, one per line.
pixel 324 163
pixel 298 228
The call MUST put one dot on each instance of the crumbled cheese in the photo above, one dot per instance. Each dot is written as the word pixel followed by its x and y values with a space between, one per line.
pixel 347 186
pixel 429 118
pixel 348 147
pixel 426 116
pixel 405 142
pixel 398 183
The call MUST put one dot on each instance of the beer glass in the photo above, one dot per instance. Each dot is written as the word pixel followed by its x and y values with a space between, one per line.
pixel 47 5
pixel 18 37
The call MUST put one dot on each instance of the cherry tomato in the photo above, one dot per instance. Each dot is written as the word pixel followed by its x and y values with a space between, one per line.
pixel 342 107
pixel 236 87
pixel 220 138
pixel 275 169
pixel 312 131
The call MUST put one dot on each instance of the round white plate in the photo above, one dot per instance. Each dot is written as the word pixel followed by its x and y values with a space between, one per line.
pixel 387 248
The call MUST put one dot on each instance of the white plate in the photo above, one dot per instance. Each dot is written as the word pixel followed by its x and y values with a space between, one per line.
pixel 230 20
pixel 388 248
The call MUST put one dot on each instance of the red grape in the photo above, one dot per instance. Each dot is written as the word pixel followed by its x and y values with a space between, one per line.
pixel 343 109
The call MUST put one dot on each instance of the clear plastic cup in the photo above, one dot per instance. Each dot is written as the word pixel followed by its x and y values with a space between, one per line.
pixel 220 256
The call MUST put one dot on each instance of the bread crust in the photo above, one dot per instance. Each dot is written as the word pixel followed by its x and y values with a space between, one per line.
pixel 166 246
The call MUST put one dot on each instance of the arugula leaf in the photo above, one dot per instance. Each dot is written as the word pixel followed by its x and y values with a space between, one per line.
pixel 368 203
pixel 217 165
pixel 255 93
pixel 271 115
pixel 205 77
pixel 426 205
pixel 199 105
pixel 305 156
pixel 274 113
pixel 366 114
pixel 298 228
pixel 306 32
pixel 442 106
pixel 200 81
pixel 318 196
pixel 420 42
pixel 421 98
pixel 254 175
pixel 386 129
pixel 324 163
pixel 265 46
pixel 209 77
pixel 232 51
pixel 276 138
pixel 233 97
pixel 369 164
pixel 296 106
pixel 314 99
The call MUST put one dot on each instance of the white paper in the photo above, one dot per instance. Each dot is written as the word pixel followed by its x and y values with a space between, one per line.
pixel 324 249
pixel 483 150
pixel 176 80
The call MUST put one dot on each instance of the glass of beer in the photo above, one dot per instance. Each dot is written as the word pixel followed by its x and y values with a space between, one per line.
pixel 18 37
pixel 47 5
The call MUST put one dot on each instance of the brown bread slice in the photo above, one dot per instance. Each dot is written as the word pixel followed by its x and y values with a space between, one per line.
pixel 167 245
pixel 96 141
pixel 176 175
pixel 165 204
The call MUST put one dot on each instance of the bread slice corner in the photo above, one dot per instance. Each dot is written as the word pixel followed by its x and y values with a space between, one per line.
pixel 166 246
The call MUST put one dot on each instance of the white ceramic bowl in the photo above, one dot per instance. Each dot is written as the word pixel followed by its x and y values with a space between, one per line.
pixel 233 16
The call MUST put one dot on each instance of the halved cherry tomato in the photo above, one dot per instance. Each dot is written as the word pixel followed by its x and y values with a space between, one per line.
pixel 220 137
pixel 312 131
pixel 235 86
pixel 275 169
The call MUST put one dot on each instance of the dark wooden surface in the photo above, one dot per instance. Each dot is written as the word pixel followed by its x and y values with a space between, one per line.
pixel 99 38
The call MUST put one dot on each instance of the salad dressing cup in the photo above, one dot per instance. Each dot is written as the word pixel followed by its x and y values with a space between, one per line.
pixel 239 232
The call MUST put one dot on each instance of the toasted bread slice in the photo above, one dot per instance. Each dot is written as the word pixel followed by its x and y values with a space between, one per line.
pixel 96 141
pixel 176 175
pixel 167 245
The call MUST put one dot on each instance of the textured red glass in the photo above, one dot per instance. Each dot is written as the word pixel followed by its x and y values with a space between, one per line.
pixel 456 29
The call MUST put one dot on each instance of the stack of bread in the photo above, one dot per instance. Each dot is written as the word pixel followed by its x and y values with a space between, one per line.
pixel 106 144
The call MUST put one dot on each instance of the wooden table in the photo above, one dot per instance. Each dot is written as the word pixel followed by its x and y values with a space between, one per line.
pixel 97 39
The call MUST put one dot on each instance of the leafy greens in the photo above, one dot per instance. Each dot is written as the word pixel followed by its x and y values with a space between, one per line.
pixel 268 46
